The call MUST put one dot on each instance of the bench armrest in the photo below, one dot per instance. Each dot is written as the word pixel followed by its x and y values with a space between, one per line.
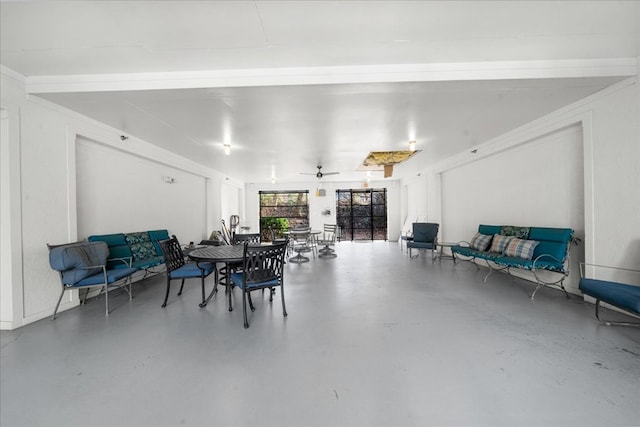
pixel 583 266
pixel 89 267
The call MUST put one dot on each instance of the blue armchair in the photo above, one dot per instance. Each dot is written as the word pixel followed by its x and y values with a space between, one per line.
pixel 425 236
pixel 83 265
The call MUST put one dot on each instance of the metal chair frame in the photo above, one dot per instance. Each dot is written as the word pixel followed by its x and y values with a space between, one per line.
pixel 120 283
pixel 174 259
pixel 328 239
pixel 262 268
pixel 433 228
pixel 583 266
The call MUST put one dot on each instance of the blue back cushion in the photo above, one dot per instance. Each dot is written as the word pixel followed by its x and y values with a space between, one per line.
pixel 553 241
pixel 110 239
pixel 68 258
pixel 118 247
pixel 155 236
pixel 489 229
pixel 425 232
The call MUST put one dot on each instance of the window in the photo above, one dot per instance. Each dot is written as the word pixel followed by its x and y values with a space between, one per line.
pixel 362 214
pixel 281 210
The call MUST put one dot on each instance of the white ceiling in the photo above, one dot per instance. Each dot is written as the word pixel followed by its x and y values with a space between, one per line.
pixel 295 84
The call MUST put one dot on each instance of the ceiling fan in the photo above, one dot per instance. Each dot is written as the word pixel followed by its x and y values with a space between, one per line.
pixel 320 174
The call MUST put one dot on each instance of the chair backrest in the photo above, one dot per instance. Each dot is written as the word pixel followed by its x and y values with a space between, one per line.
pixel 299 233
pixel 172 252
pixel 251 238
pixel 425 232
pixel 329 233
pixel 263 263
pixel 71 260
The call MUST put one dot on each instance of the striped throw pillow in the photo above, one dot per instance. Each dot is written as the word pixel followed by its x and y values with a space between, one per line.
pixel 500 242
pixel 520 248
pixel 480 241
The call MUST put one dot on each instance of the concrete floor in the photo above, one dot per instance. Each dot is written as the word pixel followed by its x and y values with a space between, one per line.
pixel 372 339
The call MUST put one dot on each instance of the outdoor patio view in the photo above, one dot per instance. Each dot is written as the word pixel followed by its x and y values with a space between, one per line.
pixel 362 214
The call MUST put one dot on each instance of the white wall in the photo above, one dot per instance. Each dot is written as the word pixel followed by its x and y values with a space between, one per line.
pixel 230 204
pixel 539 183
pixel 10 246
pixel 319 204
pixel 118 192
pixel 40 203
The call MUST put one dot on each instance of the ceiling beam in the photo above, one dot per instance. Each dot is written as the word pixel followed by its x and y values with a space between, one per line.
pixel 498 70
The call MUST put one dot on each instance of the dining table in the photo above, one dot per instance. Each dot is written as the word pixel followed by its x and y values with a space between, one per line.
pixel 228 255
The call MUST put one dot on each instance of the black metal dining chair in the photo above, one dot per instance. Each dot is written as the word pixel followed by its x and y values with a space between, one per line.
pixel 178 268
pixel 239 239
pixel 262 268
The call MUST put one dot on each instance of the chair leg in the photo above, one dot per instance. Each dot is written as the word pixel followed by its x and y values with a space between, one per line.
pixel 284 308
pixel 83 300
pixel 250 302
pixel 181 286
pixel 244 309
pixel 106 299
pixel 166 295
pixel 203 296
pixel 58 304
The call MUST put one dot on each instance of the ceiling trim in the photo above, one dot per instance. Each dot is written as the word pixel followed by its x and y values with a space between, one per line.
pixel 12 74
pixel 498 70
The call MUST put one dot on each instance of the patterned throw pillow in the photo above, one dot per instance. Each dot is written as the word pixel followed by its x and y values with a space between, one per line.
pixel 142 251
pixel 521 248
pixel 480 241
pixel 133 238
pixel 515 231
pixel 500 242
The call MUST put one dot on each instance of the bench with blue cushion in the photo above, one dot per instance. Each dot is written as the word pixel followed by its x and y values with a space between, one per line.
pixel 508 248
pixel 621 295
pixel 141 247
pixel 82 265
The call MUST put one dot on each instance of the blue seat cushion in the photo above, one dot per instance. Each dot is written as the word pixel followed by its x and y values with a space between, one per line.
pixel 236 278
pixel 467 251
pixel 618 294
pixel 514 262
pixel 191 269
pixel 112 277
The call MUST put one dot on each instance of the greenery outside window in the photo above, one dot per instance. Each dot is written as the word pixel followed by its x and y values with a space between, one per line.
pixel 281 210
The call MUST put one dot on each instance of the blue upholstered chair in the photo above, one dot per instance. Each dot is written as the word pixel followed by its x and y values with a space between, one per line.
pixel 262 268
pixel 425 236
pixel 83 265
pixel 178 268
